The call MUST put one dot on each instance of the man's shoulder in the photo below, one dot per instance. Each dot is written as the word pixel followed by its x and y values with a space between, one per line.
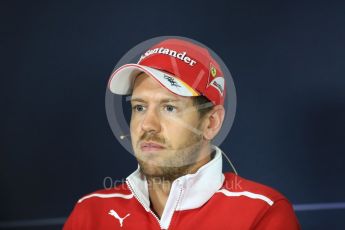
pixel 97 210
pixel 264 205
pixel 235 185
pixel 119 192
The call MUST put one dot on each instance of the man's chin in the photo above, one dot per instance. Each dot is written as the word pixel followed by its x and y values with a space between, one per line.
pixel 151 171
pixel 163 173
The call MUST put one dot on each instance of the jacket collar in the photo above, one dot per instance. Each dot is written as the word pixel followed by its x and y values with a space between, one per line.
pixel 192 190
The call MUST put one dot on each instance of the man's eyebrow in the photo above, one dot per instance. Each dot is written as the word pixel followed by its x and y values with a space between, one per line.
pixel 170 100
pixel 161 101
pixel 137 99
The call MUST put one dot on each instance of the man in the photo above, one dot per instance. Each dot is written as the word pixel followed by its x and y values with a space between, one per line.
pixel 177 95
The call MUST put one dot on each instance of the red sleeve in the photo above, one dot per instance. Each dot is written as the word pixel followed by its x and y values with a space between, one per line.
pixel 77 219
pixel 279 216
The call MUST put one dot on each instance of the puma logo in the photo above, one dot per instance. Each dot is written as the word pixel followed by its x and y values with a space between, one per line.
pixel 114 214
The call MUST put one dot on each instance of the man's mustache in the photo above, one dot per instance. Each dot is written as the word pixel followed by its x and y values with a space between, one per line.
pixel 147 136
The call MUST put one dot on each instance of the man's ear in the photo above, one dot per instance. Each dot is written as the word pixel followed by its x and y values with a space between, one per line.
pixel 213 121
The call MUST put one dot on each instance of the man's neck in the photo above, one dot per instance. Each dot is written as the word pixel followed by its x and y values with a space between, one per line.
pixel 159 189
pixel 159 192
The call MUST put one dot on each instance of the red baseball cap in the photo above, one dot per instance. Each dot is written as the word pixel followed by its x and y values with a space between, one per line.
pixel 184 68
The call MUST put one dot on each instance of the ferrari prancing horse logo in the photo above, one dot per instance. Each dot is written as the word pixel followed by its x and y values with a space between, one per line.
pixel 213 71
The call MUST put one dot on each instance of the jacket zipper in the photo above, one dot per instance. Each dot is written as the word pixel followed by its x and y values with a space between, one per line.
pixel 177 202
pixel 142 204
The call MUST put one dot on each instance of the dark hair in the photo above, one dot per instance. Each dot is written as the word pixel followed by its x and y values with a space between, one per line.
pixel 204 105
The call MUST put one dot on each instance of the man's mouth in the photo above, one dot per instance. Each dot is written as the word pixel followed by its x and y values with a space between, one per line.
pixel 150 146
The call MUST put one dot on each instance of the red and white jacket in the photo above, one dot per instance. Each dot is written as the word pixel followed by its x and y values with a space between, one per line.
pixel 207 199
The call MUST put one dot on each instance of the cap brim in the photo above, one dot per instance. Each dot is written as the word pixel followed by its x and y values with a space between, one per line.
pixel 122 80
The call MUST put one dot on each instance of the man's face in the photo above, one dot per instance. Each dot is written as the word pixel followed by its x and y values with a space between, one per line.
pixel 165 130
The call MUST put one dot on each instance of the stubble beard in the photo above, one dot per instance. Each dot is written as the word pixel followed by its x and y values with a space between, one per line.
pixel 180 162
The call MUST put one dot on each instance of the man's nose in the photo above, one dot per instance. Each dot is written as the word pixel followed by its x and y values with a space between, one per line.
pixel 151 121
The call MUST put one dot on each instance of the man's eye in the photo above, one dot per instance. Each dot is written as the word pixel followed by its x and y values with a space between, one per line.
pixel 138 108
pixel 170 108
